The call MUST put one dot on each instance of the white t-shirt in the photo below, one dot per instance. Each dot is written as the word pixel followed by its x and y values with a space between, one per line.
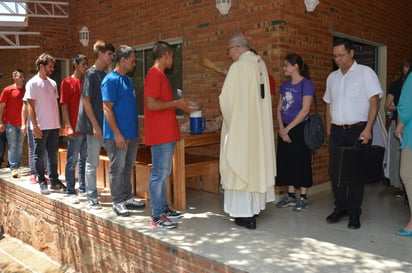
pixel 44 92
pixel 349 94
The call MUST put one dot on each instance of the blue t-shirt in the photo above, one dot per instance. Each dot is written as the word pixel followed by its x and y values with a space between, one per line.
pixel 292 97
pixel 119 90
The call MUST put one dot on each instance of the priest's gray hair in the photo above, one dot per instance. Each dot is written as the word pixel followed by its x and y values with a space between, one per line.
pixel 240 40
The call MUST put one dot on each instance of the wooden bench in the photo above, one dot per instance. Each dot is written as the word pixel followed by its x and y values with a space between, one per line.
pixel 202 173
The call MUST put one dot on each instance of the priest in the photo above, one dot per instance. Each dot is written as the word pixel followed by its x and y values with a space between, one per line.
pixel 247 152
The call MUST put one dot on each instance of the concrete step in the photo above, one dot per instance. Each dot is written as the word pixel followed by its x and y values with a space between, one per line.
pixel 16 256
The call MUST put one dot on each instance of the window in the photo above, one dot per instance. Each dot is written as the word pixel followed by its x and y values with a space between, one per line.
pixel 144 60
pixel 61 71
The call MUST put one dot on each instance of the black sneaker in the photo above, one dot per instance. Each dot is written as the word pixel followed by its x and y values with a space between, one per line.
pixel 43 188
pixel 134 204
pixel 58 186
pixel 172 214
pixel 163 222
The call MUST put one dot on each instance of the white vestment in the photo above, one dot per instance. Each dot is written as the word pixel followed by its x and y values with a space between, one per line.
pixel 247 151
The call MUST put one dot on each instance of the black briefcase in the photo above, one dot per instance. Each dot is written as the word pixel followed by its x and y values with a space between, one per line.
pixel 358 164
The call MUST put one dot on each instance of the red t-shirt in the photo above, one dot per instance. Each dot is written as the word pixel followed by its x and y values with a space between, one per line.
pixel 70 93
pixel 13 99
pixel 159 126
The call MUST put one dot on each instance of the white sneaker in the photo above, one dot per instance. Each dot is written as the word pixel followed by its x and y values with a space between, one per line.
pixel 15 173
pixel 73 199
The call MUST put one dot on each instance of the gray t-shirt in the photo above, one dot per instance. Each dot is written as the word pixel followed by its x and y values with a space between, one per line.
pixel 91 88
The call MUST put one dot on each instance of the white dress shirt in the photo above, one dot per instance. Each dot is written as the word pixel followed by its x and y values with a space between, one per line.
pixel 348 94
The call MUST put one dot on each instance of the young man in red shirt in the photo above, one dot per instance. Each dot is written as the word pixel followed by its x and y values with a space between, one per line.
pixel 11 103
pixel 161 132
pixel 70 95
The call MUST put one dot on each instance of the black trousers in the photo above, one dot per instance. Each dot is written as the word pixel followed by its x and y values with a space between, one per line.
pixel 347 197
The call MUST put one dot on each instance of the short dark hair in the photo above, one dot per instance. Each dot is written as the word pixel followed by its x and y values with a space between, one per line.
pixel 78 58
pixel 160 48
pixel 14 73
pixel 102 46
pixel 44 59
pixel 345 42
pixel 124 51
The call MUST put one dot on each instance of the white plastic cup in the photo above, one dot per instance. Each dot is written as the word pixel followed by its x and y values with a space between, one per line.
pixel 196 114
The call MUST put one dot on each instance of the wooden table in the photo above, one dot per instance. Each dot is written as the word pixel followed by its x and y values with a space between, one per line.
pixel 179 172
pixel 179 175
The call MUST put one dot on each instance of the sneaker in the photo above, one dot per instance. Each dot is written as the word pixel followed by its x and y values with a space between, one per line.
pixel 82 194
pixel 73 199
pixel 58 186
pixel 301 204
pixel 399 194
pixel 33 179
pixel 15 173
pixel 287 201
pixel 94 204
pixel 43 188
pixel 172 214
pixel 134 204
pixel 163 222
pixel 120 209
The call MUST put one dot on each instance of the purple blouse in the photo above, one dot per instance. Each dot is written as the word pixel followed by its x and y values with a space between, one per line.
pixel 292 97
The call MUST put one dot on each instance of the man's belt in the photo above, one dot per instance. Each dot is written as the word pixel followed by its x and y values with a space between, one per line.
pixel 348 126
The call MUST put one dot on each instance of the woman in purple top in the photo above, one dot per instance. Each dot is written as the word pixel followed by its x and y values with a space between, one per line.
pixel 294 167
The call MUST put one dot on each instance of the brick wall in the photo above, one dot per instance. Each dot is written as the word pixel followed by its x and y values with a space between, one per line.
pixel 275 28
pixel 89 243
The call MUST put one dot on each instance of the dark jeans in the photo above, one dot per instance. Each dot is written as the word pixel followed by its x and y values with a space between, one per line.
pixel 3 143
pixel 48 143
pixel 76 147
pixel 347 197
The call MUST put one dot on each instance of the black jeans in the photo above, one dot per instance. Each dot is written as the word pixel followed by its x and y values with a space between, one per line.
pixel 347 197
pixel 3 143
pixel 48 143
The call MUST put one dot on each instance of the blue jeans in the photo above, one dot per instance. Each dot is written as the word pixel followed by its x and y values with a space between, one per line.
pixel 74 148
pixel 94 146
pixel 162 155
pixel 121 165
pixel 49 143
pixel 15 140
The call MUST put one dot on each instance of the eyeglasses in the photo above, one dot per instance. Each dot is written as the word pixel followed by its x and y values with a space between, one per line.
pixel 229 48
pixel 339 56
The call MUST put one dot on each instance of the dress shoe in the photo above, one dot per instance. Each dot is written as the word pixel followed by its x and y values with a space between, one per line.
pixel 403 232
pixel 354 222
pixel 247 222
pixel 336 215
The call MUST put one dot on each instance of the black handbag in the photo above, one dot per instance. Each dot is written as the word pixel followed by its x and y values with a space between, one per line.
pixel 362 163
pixel 314 130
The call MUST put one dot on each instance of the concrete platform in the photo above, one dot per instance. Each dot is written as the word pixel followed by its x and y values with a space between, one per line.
pixel 284 241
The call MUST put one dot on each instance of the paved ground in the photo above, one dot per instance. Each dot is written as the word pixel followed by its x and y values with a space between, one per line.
pixel 284 241
pixel 17 257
